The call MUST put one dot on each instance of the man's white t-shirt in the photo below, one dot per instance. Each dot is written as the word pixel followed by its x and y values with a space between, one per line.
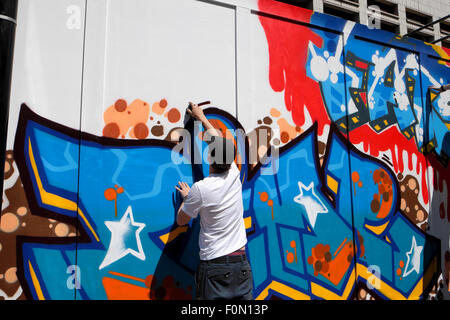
pixel 218 200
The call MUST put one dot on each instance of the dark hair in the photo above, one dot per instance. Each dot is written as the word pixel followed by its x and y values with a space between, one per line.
pixel 222 153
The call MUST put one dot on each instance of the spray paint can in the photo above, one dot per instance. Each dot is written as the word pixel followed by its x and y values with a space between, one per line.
pixel 187 116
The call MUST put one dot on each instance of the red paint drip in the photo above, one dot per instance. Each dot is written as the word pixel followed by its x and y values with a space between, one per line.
pixel 288 53
pixel 387 140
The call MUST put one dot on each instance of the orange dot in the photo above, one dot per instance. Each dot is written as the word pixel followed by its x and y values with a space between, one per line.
pixel 360 184
pixel 290 257
pixel 284 136
pixel 355 176
pixel 402 264
pixel 293 244
pixel 270 203
pixel 399 272
pixel 264 196
pixel 120 190
pixel 110 194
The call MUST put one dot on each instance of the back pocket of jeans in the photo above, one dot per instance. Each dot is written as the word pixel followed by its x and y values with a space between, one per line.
pixel 245 273
pixel 219 276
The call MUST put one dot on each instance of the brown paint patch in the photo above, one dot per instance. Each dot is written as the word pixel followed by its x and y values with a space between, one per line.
pixel 141 131
pixel 120 105
pixel 163 103
pixel 284 136
pixel 321 147
pixel 157 131
pixel 409 201
pixel 173 115
pixel 31 226
pixel 111 130
pixel 267 120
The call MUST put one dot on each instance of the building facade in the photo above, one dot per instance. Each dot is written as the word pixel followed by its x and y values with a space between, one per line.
pixel 397 16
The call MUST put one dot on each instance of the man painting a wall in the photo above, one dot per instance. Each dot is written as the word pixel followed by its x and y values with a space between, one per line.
pixel 224 271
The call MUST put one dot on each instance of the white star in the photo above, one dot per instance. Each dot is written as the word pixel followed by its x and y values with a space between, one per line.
pixel 120 230
pixel 312 203
pixel 415 260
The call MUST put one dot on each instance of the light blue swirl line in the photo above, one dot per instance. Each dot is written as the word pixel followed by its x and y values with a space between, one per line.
pixel 71 164
pixel 158 181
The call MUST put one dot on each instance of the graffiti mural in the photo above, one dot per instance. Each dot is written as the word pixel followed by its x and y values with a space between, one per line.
pixel 345 182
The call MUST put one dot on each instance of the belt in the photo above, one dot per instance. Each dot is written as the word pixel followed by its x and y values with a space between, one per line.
pixel 230 258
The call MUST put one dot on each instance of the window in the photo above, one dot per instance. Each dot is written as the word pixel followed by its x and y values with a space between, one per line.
pixel 421 36
pixel 417 17
pixel 445 27
pixel 338 12
pixel 385 7
pixel 389 27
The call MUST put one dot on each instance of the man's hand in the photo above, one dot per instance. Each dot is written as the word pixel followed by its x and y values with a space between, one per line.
pixel 196 111
pixel 198 114
pixel 184 188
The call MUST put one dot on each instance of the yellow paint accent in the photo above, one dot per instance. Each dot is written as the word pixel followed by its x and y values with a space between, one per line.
pixel 441 53
pixel 362 272
pixel 53 199
pixel 385 289
pixel 343 125
pixel 37 286
pixel 411 88
pixel 377 229
pixel 432 95
pixel 248 222
pixel 324 293
pixel 355 119
pixel 385 122
pixel 448 126
pixel 387 239
pixel 332 184
pixel 168 237
pixel 377 127
pixel 284 290
pixel 406 134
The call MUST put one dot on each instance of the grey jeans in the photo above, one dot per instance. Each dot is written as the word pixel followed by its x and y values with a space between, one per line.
pixel 224 280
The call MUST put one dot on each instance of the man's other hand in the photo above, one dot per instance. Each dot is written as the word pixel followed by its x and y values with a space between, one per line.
pixel 184 188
